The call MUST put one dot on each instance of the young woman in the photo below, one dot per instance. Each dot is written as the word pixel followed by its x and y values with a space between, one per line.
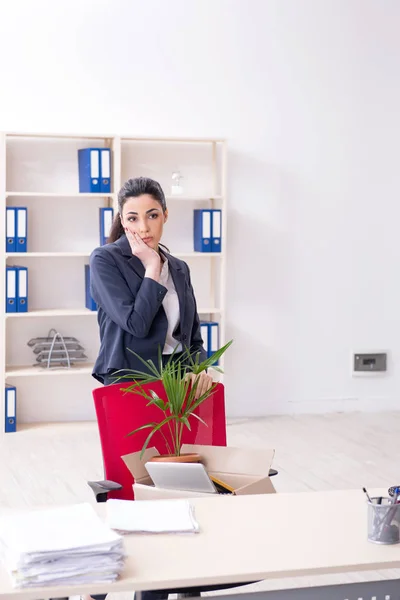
pixel 145 297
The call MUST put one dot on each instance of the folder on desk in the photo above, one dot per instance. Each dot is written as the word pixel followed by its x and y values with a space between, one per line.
pixel 89 170
pixel 10 422
pixel 11 289
pixel 202 230
pixel 11 240
pixel 90 303
pixel 22 289
pixel 106 219
pixel 105 170
pixel 216 230
pixel 21 226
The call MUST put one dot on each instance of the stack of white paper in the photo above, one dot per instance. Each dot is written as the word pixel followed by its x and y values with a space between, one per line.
pixel 60 545
pixel 151 516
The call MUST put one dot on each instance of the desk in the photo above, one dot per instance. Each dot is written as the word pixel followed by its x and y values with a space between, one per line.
pixel 245 538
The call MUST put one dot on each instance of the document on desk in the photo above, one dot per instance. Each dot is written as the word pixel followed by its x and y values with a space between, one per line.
pixel 60 545
pixel 151 516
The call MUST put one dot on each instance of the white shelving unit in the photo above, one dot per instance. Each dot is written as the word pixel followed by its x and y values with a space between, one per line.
pixel 55 195
pixel 63 229
pixel 182 255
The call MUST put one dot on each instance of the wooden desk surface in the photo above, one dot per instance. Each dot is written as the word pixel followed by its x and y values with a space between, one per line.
pixel 246 538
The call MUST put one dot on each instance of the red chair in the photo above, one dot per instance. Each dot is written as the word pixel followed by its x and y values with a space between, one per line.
pixel 120 412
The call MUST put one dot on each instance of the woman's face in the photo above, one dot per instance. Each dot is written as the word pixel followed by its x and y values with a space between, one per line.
pixel 143 215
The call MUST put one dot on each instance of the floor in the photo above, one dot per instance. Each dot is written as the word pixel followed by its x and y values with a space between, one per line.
pixel 50 464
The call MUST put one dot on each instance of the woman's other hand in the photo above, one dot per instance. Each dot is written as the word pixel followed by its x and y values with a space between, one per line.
pixel 205 382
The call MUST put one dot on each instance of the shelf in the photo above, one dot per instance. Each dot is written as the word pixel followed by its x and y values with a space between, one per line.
pixel 81 312
pixel 197 254
pixel 87 254
pixel 172 140
pixel 91 136
pixel 55 195
pixel 53 312
pixel 30 371
pixel 193 198
pixel 48 255
pixel 66 136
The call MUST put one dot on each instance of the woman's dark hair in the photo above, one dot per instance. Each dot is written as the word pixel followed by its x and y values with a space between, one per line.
pixel 131 189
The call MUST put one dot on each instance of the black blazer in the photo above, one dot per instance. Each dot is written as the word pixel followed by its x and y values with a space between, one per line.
pixel 130 311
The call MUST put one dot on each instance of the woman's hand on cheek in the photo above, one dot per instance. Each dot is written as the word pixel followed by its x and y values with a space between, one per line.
pixel 149 257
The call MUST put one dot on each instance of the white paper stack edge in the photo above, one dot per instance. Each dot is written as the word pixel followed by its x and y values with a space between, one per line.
pixel 151 516
pixel 65 545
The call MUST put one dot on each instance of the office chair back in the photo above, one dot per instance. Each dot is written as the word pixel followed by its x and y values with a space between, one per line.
pixel 120 412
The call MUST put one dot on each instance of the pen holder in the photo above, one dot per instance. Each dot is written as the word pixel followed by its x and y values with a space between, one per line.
pixel 383 521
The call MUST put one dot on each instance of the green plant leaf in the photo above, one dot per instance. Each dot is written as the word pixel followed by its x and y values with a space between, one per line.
pixel 147 426
pixel 154 430
pixel 137 389
pixel 180 390
pixel 129 375
pixel 175 391
pixel 147 363
pixel 185 421
pixel 137 378
pixel 195 403
pixel 159 402
pixel 198 418
pixel 197 367
pixel 141 378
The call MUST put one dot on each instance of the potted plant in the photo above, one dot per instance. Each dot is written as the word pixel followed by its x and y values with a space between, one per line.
pixel 180 378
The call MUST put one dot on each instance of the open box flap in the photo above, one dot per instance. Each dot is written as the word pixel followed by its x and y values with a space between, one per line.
pixel 245 461
pixel 136 465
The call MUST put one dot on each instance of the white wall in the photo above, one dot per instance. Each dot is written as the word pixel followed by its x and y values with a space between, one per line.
pixel 307 92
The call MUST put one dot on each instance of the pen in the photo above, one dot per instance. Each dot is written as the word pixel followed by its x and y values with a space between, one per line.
pixel 366 493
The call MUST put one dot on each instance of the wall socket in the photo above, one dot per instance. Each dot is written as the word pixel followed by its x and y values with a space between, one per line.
pixel 370 363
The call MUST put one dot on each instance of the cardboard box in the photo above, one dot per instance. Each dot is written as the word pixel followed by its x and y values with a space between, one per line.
pixel 246 470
